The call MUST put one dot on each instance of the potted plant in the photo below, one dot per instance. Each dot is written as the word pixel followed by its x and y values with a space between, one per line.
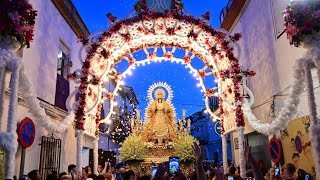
pixel 302 22
pixel 17 20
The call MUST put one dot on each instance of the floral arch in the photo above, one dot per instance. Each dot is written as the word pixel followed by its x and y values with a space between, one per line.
pixel 151 31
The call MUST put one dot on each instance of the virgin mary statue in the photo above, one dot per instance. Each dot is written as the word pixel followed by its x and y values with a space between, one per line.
pixel 160 119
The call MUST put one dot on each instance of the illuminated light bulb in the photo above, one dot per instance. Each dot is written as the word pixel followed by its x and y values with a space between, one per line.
pixel 201 90
pixel 108 122
pixel 190 72
pixel 115 103
pixel 186 67
pixel 205 111
pixel 122 83
pixel 194 75
pixel 143 64
pixel 130 72
pixel 198 85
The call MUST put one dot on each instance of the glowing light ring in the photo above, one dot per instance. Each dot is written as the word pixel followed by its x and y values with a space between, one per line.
pixel 251 102
pixel 164 85
pixel 117 48
pixel 96 102
pixel 69 108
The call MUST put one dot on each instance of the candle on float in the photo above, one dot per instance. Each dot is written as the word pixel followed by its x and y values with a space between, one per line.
pixel 138 113
pixel 184 113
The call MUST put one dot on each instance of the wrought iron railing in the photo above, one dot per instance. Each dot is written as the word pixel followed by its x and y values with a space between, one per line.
pixel 225 10
pixel 50 156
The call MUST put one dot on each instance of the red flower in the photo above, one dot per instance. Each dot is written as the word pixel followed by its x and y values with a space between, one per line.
pixel 187 59
pixel 170 31
pixel 127 37
pixel 308 25
pixel 192 34
pixel 111 17
pixel 131 61
pixel 168 55
pixel 151 55
pixel 206 16
pixel 209 93
pixel 109 96
pixel 202 73
pixel 117 77
pixel 236 37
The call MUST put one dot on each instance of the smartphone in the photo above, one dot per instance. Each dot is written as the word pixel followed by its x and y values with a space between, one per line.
pixel 25 177
pixel 230 177
pixel 306 177
pixel 276 172
pixel 118 175
pixel 154 170
pixel 174 165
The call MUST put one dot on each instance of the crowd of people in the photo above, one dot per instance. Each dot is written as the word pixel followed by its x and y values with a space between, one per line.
pixel 199 171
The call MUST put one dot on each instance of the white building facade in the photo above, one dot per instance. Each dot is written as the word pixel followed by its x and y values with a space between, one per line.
pixel 52 55
pixel 266 50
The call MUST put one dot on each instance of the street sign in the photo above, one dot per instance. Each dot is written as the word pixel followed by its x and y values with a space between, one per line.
pixel 275 150
pixel 26 132
pixel 217 128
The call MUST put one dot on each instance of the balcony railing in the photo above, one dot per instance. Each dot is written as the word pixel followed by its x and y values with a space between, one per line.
pixel 230 13
pixel 225 10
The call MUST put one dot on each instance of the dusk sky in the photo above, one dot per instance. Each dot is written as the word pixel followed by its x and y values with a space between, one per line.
pixel 186 94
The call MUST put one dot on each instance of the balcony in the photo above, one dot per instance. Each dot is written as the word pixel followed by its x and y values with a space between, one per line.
pixel 230 13
pixel 72 17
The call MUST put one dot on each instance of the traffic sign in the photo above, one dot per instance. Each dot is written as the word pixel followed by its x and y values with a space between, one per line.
pixel 217 128
pixel 26 132
pixel 275 150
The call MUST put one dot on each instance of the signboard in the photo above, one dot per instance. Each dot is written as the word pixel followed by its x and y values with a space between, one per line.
pixel 26 132
pixel 275 150
pixel 296 144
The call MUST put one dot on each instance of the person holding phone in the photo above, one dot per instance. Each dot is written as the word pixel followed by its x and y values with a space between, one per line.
pixel 198 151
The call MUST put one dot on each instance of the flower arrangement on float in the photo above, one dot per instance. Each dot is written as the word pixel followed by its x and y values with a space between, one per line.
pixel 183 148
pixel 17 20
pixel 133 149
pixel 302 22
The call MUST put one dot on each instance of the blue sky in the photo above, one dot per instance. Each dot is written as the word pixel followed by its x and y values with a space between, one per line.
pixel 186 94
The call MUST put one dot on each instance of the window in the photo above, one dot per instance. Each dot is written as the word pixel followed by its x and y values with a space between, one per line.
pixel 64 63
pixel 63 68
pixel 277 7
